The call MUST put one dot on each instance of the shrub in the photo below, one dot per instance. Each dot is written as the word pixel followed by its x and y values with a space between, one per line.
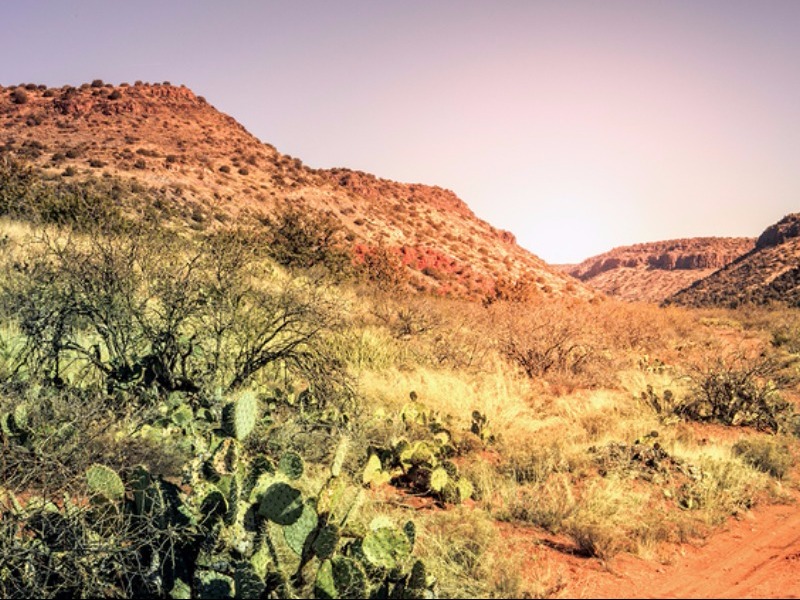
pixel 140 164
pixel 740 392
pixel 544 339
pixel 19 96
pixel 384 268
pixel 300 237
pixel 224 169
pixel 143 311
pixel 769 455
pixel 115 95
pixel 97 83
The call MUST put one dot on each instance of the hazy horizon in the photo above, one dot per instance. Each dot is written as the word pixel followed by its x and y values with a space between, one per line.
pixel 578 126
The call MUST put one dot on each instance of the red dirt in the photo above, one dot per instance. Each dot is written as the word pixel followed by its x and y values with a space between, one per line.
pixel 755 557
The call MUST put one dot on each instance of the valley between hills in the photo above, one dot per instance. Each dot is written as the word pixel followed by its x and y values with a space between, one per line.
pixel 228 374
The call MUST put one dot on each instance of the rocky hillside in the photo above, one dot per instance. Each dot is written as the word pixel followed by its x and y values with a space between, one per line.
pixel 208 166
pixel 770 272
pixel 653 271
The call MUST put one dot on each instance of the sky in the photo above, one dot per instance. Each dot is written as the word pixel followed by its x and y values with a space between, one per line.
pixel 577 125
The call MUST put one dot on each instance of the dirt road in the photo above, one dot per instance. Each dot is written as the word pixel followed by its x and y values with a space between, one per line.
pixel 756 557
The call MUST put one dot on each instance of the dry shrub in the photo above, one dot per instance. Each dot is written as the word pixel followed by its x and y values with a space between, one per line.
pixel 767 454
pixel 605 519
pixel 726 487
pixel 547 504
pixel 550 340
pixel 463 550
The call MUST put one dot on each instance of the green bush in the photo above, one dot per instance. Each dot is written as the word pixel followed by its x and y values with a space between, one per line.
pixel 137 309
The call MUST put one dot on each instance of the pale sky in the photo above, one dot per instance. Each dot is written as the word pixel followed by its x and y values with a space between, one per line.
pixel 579 126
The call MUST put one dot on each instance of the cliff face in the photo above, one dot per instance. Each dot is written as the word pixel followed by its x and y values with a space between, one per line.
pixel 770 272
pixel 167 137
pixel 654 271
pixel 785 229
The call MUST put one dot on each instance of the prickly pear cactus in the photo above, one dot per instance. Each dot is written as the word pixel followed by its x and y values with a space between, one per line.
pixel 326 541
pixel 374 475
pixel 297 533
pixel 104 482
pixel 225 458
pixel 212 502
pixel 213 585
pixel 247 582
pixel 291 465
pixel 340 577
pixel 281 504
pixel 239 417
pixel 338 459
pixel 439 479
pixel 386 546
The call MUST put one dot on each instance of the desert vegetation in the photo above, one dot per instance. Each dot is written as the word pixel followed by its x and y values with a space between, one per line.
pixel 249 412
pixel 226 374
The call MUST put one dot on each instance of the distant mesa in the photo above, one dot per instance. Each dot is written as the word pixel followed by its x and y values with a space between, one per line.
pixel 654 271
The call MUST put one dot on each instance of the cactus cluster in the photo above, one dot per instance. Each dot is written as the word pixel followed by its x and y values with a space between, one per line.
pixel 421 466
pixel 240 526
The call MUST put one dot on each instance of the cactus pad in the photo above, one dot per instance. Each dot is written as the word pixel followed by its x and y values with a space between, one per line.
pixel 180 590
pixel 213 585
pixel 374 475
pixel 338 459
pixel 248 583
pixel 297 533
pixel 465 489
pixel 105 483
pixel 326 541
pixel 438 479
pixel 411 532
pixel 225 458
pixel 281 504
pixel 386 547
pixel 213 502
pixel 182 415
pixel 291 465
pixel 340 577
pixel 239 417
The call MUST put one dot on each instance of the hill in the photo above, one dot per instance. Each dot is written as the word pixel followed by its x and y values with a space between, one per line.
pixel 653 271
pixel 213 172
pixel 770 272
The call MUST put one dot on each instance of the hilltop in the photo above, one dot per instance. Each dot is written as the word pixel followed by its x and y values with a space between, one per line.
pixel 653 271
pixel 214 172
pixel 770 272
